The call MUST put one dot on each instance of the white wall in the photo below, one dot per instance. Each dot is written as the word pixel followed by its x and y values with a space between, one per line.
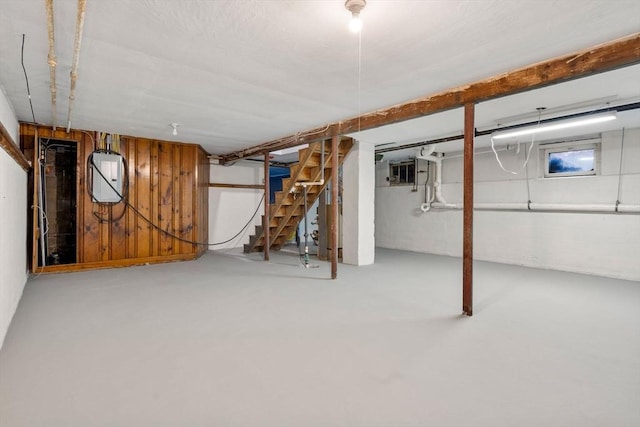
pixel 8 116
pixel 13 239
pixel 599 244
pixel 231 208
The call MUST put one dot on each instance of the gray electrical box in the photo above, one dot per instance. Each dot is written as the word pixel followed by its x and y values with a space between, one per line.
pixel 111 170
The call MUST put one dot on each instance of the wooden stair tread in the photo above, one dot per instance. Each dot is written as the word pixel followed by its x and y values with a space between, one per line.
pixel 288 209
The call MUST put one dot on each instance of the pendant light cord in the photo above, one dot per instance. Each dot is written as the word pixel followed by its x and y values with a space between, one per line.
pixel 526 162
pixel 620 170
pixel 26 78
pixel 359 78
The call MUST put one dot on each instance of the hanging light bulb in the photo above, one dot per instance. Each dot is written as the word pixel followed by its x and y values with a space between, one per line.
pixel 355 25
pixel 174 132
pixel 355 6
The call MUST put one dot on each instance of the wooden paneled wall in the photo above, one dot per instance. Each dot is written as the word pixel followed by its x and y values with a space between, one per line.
pixel 168 184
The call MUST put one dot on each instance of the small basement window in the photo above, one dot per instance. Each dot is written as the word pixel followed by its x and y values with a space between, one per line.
pixel 402 173
pixel 575 158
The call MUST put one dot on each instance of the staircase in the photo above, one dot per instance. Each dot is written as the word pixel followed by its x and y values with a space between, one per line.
pixel 288 209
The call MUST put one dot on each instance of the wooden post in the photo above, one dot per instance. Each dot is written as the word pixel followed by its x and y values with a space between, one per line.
pixel 467 251
pixel 323 235
pixel 36 202
pixel 265 218
pixel 334 206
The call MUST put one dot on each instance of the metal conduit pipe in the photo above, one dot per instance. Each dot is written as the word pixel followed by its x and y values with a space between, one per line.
pixel 51 60
pixel 545 207
pixel 76 58
pixel 619 108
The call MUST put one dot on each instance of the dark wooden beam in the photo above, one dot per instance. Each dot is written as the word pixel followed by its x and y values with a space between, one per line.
pixel 598 59
pixel 10 146
pixel 335 216
pixel 266 217
pixel 247 186
pixel 467 214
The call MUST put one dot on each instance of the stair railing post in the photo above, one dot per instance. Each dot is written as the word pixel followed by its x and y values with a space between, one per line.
pixel 334 206
pixel 306 231
pixel 265 218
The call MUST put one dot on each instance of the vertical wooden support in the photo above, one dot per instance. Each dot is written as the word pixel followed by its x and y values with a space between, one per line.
pixel 323 233
pixel 36 202
pixel 467 251
pixel 334 206
pixel 265 218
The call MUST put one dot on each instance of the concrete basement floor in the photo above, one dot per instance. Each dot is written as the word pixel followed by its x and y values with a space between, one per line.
pixel 229 340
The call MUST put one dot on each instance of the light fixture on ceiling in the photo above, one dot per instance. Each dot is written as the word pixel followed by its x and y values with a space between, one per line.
pixel 355 6
pixel 559 125
pixel 174 132
pixel 289 150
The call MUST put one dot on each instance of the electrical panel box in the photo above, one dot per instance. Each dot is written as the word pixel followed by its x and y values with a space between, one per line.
pixel 107 182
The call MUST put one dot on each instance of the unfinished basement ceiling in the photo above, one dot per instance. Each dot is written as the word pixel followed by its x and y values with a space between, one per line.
pixel 236 73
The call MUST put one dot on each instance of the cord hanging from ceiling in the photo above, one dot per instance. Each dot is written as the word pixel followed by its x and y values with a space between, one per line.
pixel 26 78
pixel 620 170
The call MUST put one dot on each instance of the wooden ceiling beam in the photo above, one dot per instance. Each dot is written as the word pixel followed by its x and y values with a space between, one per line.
pixel 7 143
pixel 598 59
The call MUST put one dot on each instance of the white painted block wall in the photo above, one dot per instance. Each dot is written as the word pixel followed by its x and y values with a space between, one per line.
pixel 8 117
pixel 358 206
pixel 13 239
pixel 231 208
pixel 599 244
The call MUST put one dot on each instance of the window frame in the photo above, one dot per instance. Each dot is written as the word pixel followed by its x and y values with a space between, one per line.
pixel 410 177
pixel 568 146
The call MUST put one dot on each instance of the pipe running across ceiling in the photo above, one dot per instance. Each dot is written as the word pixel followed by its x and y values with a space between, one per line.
pixel 51 60
pixel 76 58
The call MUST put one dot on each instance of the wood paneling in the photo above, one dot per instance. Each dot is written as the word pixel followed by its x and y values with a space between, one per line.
pixel 201 203
pixel 168 185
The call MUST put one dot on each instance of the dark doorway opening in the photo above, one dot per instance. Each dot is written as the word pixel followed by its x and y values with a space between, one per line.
pixel 58 199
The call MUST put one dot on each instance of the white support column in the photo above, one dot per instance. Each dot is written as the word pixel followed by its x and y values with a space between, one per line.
pixel 358 205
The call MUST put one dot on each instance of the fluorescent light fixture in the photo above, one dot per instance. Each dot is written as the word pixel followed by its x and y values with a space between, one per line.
pixel 289 150
pixel 563 124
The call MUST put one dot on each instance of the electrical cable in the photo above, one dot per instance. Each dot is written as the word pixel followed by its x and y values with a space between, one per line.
pixel 620 170
pixel 526 161
pixel 526 174
pixel 26 78
pixel 46 218
pixel 148 221
pixel 93 141
pixel 359 78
